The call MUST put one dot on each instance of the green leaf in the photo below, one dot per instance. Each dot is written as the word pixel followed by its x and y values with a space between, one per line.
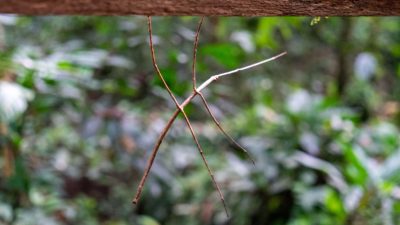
pixel 334 203
pixel 355 169
pixel 226 54
pixel 147 220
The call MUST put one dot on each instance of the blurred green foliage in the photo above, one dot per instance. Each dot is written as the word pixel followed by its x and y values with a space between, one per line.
pixel 81 107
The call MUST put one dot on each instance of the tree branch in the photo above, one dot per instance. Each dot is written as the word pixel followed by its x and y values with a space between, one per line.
pixel 203 7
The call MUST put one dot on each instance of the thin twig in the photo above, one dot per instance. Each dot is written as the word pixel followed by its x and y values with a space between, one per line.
pixel 222 130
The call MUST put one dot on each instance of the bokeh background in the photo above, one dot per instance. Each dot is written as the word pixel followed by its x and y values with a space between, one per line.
pixel 81 108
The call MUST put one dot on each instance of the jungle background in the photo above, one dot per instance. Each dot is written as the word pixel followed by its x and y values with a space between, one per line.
pixel 81 108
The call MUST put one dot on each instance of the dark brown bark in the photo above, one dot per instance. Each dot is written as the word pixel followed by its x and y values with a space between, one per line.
pixel 202 7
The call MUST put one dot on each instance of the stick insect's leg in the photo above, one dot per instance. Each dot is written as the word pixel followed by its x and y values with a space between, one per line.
pixel 153 156
pixel 206 163
pixel 222 130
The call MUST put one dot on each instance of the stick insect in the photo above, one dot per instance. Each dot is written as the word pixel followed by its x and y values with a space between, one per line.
pixel 180 110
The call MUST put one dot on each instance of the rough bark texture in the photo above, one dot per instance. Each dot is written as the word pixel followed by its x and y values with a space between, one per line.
pixel 202 7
